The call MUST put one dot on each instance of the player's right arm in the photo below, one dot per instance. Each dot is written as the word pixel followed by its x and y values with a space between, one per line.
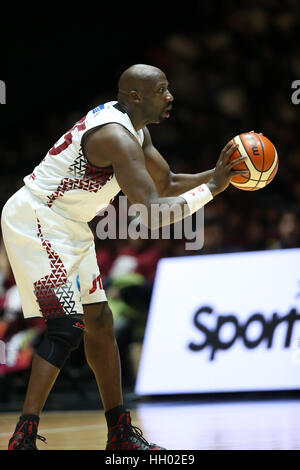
pixel 113 145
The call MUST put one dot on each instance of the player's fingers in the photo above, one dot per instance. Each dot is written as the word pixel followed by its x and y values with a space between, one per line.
pixel 260 133
pixel 239 172
pixel 226 148
pixel 229 152
pixel 236 161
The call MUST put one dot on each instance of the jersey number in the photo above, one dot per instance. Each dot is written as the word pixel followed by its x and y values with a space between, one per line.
pixel 80 126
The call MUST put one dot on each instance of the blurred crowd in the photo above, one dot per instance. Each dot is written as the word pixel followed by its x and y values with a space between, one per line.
pixel 230 74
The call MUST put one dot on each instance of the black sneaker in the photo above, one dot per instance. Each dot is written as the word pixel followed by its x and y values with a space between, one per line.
pixel 25 434
pixel 124 436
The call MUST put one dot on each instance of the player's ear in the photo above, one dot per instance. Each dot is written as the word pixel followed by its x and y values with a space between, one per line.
pixel 135 96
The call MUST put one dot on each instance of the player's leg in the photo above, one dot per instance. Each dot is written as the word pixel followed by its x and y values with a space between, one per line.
pixel 42 378
pixel 52 296
pixel 102 353
pixel 62 336
pixel 103 357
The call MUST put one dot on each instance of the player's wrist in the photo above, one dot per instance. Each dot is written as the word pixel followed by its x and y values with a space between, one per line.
pixel 213 188
pixel 197 197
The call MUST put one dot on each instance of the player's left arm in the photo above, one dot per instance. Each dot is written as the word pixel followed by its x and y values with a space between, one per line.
pixel 168 183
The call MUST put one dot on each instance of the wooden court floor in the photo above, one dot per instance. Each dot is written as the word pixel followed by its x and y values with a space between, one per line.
pixel 259 425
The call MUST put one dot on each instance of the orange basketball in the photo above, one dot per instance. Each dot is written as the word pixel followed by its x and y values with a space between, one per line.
pixel 262 161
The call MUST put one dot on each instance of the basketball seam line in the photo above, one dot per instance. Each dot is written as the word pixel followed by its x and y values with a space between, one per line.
pixel 246 164
pixel 263 162
pixel 253 163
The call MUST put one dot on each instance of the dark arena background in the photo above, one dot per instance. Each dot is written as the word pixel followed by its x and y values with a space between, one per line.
pixel 209 339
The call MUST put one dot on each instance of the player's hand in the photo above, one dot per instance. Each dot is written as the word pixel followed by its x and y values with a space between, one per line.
pixel 224 169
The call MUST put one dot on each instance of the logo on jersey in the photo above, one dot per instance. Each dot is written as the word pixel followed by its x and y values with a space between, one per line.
pixel 96 110
pixel 97 281
pixel 78 283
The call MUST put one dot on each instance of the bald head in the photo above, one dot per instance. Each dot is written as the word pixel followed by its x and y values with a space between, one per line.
pixel 143 93
pixel 138 76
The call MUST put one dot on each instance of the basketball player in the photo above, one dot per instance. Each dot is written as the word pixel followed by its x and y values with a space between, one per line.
pixel 51 248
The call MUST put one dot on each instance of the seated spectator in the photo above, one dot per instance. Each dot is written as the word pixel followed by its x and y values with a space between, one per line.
pixel 288 233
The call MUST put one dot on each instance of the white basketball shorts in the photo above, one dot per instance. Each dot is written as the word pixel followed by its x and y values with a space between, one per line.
pixel 53 258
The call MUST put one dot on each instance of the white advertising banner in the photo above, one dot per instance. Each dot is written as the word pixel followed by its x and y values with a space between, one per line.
pixel 223 323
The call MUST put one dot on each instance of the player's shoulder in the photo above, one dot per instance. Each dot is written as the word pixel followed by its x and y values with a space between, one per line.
pixel 113 131
pixel 103 108
pixel 112 141
pixel 104 113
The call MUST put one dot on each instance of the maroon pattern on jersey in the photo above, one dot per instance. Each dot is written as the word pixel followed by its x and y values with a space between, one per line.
pixel 53 292
pixel 91 178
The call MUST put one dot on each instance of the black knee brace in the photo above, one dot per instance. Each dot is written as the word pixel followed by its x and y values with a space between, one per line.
pixel 63 335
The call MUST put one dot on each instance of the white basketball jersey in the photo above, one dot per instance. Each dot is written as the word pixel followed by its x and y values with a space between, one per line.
pixel 66 181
